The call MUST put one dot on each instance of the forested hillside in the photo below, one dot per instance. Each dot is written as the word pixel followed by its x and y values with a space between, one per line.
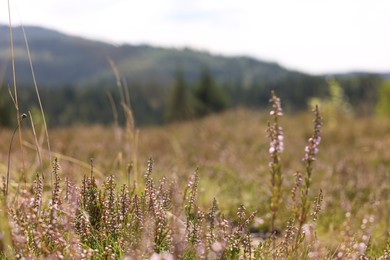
pixel 78 86
pixel 61 59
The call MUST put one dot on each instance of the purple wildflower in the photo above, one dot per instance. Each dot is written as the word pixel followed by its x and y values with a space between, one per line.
pixel 275 131
pixel 276 106
pixel 312 148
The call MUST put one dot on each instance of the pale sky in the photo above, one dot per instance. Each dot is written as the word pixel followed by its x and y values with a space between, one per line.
pixel 314 36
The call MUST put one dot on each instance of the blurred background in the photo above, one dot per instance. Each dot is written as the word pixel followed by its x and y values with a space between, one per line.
pixel 181 60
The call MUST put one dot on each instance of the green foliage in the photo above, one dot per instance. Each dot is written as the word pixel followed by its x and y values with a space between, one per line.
pixel 209 97
pixel 383 104
pixel 335 107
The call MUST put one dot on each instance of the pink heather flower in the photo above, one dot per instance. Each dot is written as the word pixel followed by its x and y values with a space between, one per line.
pixel 276 106
pixel 276 144
pixel 312 148
pixel 275 131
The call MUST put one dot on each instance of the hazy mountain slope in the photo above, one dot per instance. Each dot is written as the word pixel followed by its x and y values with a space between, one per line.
pixel 60 59
pixel 161 64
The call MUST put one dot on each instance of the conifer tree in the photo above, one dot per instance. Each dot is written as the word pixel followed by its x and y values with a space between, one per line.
pixel 178 107
pixel 209 98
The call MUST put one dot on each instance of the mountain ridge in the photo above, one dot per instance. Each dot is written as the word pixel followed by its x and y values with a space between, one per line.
pixel 62 59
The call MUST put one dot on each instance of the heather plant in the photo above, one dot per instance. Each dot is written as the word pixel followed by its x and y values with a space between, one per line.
pixel 194 217
pixel 43 228
pixel 240 242
pixel 275 133
pixel 311 151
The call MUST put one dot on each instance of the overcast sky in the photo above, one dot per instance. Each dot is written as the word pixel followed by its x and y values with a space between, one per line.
pixel 315 36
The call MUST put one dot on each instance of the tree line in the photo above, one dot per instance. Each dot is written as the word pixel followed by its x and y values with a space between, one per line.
pixel 154 104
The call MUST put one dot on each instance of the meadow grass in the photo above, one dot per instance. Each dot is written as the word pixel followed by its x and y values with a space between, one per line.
pixel 207 191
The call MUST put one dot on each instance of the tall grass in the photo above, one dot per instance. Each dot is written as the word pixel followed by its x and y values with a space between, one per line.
pixel 20 116
pixel 15 94
pixel 131 132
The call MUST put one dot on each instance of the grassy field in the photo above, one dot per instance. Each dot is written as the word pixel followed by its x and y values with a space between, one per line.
pixel 172 175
